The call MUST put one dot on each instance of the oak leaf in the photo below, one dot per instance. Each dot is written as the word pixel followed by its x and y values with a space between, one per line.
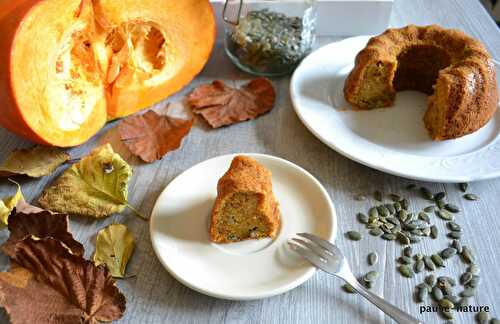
pixel 114 246
pixel 222 105
pixel 34 162
pixel 97 186
pixel 8 204
pixel 150 135
pixel 49 284
pixel 40 224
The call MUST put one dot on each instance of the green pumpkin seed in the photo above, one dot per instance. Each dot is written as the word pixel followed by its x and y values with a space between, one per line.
pixel 494 321
pixel 440 204
pixel 353 235
pixel 426 193
pixel 373 212
pixel 348 288
pixel 392 220
pixel 437 294
pixel 419 266
pixel 448 253
pixel 455 235
pixel 468 292
pixel 434 232
pixel 404 203
pixel 390 208
pixel 463 186
pixel 397 206
pixel 408 251
pixel 372 258
pixel 375 231
pixel 474 269
pixel 405 260
pixel 362 218
pixel 395 197
pixel 467 255
pixel 443 214
pixel 419 256
pixel 423 216
pixel 383 211
pixel 447 280
pixel 471 197
pixel 430 280
pixel 426 231
pixel 465 278
pixel 457 246
pixel 429 209
pixel 421 294
pixel 388 236
pixel 403 239
pixel 429 264
pixel 474 282
pixel 452 208
pixel 406 271
pixel 454 226
pixel 446 303
pixel 437 260
pixel 448 314
pixel 360 197
pixel 482 317
pixel 414 239
pixel 402 215
pixel 378 195
pixel 440 195
pixel 371 276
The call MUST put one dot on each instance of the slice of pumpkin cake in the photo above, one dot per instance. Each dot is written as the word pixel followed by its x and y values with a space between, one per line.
pixel 245 207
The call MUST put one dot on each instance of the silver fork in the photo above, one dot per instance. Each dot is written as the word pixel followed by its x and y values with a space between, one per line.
pixel 327 257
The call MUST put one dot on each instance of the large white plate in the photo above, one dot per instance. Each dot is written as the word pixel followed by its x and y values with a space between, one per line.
pixel 393 140
pixel 244 270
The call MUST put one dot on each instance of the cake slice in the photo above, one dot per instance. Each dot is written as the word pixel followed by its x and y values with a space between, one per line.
pixel 245 207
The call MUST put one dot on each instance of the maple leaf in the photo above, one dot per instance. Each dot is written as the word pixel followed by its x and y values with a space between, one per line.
pixel 222 105
pixel 114 246
pixel 8 204
pixel 97 186
pixel 34 162
pixel 40 224
pixel 49 284
pixel 150 135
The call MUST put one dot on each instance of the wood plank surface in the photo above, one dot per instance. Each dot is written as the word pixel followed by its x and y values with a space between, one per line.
pixel 153 296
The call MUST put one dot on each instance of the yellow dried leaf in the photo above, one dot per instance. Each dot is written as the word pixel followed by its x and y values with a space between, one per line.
pixel 35 162
pixel 8 204
pixel 114 246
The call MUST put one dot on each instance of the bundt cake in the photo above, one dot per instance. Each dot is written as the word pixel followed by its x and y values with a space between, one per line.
pixel 245 207
pixel 453 68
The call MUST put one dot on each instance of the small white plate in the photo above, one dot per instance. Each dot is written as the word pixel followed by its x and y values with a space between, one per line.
pixel 245 270
pixel 393 140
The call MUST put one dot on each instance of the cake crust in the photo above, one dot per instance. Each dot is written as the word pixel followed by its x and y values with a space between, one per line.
pixel 455 69
pixel 245 182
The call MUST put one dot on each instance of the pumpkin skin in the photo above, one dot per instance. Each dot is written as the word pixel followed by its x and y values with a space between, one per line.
pixel 68 66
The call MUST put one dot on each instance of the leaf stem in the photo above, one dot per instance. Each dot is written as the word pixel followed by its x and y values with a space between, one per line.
pixel 137 213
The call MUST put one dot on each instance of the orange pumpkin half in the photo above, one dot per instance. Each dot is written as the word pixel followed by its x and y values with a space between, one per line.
pixel 67 66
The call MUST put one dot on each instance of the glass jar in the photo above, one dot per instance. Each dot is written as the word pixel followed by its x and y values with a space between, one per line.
pixel 269 37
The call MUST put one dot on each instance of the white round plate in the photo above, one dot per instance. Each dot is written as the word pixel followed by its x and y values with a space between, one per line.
pixel 393 140
pixel 244 270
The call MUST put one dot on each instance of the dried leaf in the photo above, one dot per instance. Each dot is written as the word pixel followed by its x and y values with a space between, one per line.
pixel 52 285
pixel 114 246
pixel 35 162
pixel 221 105
pixel 8 204
pixel 96 186
pixel 150 136
pixel 40 224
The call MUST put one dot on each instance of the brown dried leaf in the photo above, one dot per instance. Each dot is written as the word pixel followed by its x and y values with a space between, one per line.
pixel 221 105
pixel 40 224
pixel 53 285
pixel 150 136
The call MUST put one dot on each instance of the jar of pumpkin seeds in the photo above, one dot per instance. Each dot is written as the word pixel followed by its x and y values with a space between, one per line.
pixel 269 37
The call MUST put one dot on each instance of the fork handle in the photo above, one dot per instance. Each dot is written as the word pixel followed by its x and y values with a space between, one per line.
pixel 395 313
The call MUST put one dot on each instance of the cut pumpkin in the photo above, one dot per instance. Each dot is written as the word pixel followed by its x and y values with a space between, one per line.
pixel 68 66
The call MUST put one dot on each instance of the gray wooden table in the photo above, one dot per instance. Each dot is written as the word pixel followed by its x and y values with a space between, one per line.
pixel 153 296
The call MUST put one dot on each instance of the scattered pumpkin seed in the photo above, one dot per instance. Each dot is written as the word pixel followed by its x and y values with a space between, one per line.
pixel 419 266
pixel 434 232
pixel 482 317
pixel 494 321
pixel 447 280
pixel 375 231
pixel 362 218
pixel 370 276
pixel 397 206
pixel 405 260
pixel 373 212
pixel 419 256
pixel 440 204
pixel 448 252
pixel 426 193
pixel 414 239
pixel 390 208
pixel 406 271
pixel 353 235
pixel 440 195
pixel 429 209
pixel 454 226
pixel 467 255
pixel 402 238
pixel 408 251
pixel 437 293
pixel 388 236
pixel 430 280
pixel 474 282
pixel 448 314
pixel 474 269
pixel 452 208
pixel 455 235
pixel 404 203
pixel 463 186
pixel 378 195
pixel 468 292
pixel 465 278
pixel 444 214
pixel 429 264
pixel 471 197
pixel 348 288
pixel 421 294
pixel 423 216
pixel 372 258
pixel 446 303
pixel 457 246
pixel 437 260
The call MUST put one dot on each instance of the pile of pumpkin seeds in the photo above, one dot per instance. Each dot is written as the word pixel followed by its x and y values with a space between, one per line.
pixel 395 222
